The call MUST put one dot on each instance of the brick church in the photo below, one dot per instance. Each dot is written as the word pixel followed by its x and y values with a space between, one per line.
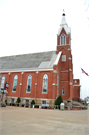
pixel 42 76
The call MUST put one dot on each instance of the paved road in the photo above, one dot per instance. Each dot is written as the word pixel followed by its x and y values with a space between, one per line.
pixel 29 121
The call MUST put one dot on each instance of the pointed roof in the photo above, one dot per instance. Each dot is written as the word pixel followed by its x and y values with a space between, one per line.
pixel 63 21
pixel 64 25
pixel 28 61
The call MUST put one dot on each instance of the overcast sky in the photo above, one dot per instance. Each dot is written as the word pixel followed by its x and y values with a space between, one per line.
pixel 29 26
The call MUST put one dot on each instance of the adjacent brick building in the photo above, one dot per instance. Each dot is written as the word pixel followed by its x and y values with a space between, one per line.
pixel 42 76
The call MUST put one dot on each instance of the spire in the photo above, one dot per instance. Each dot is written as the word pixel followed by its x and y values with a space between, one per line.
pixel 63 21
pixel 63 13
pixel 64 24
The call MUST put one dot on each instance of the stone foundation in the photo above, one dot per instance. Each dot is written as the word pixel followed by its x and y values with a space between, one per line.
pixel 50 102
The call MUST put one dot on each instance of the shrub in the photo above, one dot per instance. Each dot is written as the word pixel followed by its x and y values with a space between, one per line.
pixel 32 102
pixel 22 105
pixel 58 101
pixel 36 106
pixel 6 101
pixel 18 100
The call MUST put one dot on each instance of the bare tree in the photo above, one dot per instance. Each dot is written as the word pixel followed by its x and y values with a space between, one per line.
pixel 86 4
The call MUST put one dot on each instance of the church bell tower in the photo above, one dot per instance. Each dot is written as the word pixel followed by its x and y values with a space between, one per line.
pixel 66 66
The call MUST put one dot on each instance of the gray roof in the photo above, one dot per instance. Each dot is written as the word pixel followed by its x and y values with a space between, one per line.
pixel 32 60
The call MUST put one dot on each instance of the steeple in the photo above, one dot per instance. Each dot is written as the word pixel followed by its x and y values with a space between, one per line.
pixel 63 13
pixel 64 35
pixel 63 21
pixel 64 25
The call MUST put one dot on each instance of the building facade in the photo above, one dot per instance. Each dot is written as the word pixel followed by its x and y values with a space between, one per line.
pixel 42 76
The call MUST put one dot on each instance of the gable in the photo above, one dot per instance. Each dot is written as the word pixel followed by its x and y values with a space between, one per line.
pixel 66 28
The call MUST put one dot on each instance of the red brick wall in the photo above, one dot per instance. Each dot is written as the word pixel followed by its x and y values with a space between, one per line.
pixel 76 89
pixel 36 90
pixel 76 92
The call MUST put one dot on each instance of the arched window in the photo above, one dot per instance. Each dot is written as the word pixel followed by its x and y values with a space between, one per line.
pixel 75 81
pixel 2 82
pixel 45 83
pixel 63 92
pixel 57 84
pixel 63 39
pixel 15 83
pixel 29 83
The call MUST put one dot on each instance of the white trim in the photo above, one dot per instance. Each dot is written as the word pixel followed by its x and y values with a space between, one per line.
pixel 77 85
pixel 70 83
pixel 20 70
pixel 14 91
pixel 53 84
pixel 44 92
pixel 27 91
pixel 64 71
pixel 64 81
pixel 63 45
pixel 37 72
pixel 54 71
pixel 27 98
pixel 31 98
pixel 70 69
pixel 57 59
pixel 22 73
pixel 13 97
pixel 69 58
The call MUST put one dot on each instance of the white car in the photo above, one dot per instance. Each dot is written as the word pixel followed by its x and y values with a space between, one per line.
pixel 87 102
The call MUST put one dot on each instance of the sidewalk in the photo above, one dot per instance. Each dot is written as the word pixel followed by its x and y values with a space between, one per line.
pixel 29 121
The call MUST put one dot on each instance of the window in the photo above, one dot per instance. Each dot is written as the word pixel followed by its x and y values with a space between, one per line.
pixel 75 81
pixel 63 57
pixel 63 39
pixel 15 83
pixel 29 83
pixel 43 102
pixel 12 100
pixel 27 101
pixel 45 83
pixel 63 92
pixel 57 84
pixel 2 82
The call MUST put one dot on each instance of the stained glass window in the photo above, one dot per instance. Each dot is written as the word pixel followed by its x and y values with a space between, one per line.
pixel 63 39
pixel 57 84
pixel 2 82
pixel 29 83
pixel 15 83
pixel 45 83
pixel 63 92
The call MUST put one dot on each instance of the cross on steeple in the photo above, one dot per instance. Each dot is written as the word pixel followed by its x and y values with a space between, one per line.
pixel 63 13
